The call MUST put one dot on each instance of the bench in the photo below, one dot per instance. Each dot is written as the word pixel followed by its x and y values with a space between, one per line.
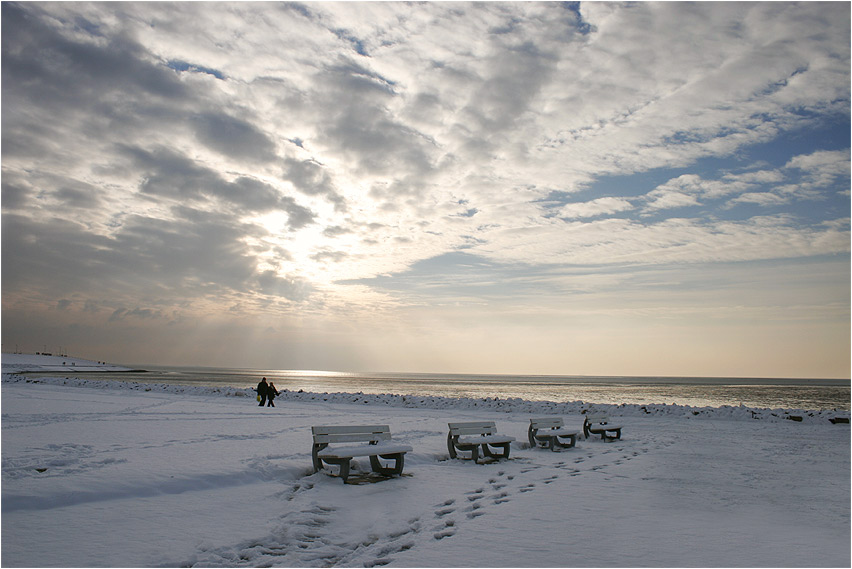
pixel 470 437
pixel 378 445
pixel 549 433
pixel 598 424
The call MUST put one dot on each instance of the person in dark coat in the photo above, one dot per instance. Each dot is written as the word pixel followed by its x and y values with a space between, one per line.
pixel 263 391
pixel 271 392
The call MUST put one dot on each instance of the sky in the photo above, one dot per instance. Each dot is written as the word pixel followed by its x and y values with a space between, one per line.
pixel 521 188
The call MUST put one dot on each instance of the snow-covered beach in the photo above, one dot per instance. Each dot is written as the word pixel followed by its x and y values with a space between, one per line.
pixel 122 474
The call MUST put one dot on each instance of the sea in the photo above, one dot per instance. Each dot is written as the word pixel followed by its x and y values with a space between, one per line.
pixel 773 393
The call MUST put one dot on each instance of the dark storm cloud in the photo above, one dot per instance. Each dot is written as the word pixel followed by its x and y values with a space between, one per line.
pixel 45 67
pixel 310 177
pixel 268 282
pixel 516 77
pixel 42 250
pixel 166 173
pixel 15 191
pixel 361 126
pixel 197 252
pixel 79 195
pixel 233 137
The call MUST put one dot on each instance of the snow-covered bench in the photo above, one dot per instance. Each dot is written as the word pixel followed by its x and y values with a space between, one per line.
pixel 549 433
pixel 598 424
pixel 378 445
pixel 470 437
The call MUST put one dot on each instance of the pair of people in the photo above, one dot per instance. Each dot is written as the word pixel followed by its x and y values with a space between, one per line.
pixel 267 393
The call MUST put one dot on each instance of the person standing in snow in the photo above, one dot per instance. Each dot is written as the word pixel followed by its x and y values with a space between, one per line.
pixel 271 392
pixel 263 391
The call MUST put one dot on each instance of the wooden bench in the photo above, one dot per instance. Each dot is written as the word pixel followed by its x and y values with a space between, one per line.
pixel 470 437
pixel 598 424
pixel 378 445
pixel 549 433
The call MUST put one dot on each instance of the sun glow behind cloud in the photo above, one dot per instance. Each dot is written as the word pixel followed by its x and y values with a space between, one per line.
pixel 505 187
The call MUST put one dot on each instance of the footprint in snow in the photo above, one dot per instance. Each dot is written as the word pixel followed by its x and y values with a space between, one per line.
pixel 502 498
pixel 448 530
pixel 382 558
pixel 477 495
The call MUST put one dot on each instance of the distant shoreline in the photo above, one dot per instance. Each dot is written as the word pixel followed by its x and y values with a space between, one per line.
pixel 28 363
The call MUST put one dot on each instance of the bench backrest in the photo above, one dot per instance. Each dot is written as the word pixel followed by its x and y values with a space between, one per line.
pixel 351 433
pixel 474 428
pixel 597 419
pixel 547 423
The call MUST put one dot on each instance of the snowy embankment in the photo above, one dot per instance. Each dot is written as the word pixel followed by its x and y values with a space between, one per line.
pixel 16 363
pixel 112 474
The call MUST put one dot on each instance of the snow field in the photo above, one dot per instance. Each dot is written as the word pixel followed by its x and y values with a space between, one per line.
pixel 127 477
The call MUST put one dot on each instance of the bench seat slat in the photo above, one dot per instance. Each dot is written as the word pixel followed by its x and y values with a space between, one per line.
pixel 346 429
pixel 473 428
pixel 472 425
pixel 597 428
pixel 462 432
pixel 351 437
pixel 546 423
pixel 363 450
pixel 547 433
pixel 487 439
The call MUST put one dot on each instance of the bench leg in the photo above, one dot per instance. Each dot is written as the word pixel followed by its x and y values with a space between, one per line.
pixel 572 441
pixel 616 436
pixel 544 442
pixel 451 446
pixel 343 463
pixel 399 462
pixel 344 469
pixel 491 454
pixel 316 459
pixel 531 435
pixel 472 449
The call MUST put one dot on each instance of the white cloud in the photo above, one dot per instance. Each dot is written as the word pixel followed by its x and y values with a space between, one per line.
pixel 667 198
pixel 675 240
pixel 822 168
pixel 594 208
pixel 760 198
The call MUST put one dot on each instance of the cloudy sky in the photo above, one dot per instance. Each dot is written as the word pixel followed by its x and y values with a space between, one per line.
pixel 543 188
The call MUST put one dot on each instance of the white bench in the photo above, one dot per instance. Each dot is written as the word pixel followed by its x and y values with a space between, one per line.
pixel 598 424
pixel 549 433
pixel 470 437
pixel 377 438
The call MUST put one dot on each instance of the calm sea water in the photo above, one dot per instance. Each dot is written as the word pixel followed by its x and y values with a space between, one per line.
pixel 814 394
